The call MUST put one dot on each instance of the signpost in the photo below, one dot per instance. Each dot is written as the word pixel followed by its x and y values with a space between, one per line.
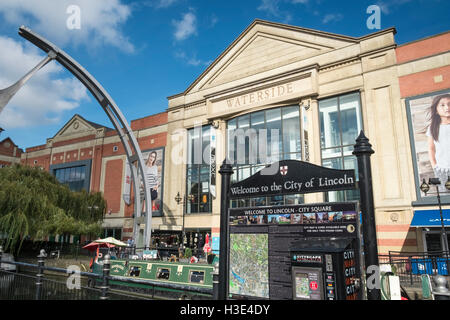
pixel 327 231
pixel 281 225
pixel 294 177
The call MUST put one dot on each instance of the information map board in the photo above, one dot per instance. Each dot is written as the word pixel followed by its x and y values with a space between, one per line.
pixel 262 238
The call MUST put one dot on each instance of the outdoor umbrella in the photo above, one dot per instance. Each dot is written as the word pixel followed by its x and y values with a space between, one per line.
pixel 94 245
pixel 113 241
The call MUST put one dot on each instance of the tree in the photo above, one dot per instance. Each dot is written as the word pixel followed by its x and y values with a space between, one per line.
pixel 34 204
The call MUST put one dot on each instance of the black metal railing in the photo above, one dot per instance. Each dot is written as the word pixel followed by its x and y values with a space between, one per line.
pixel 410 266
pixel 55 249
pixel 64 250
pixel 50 283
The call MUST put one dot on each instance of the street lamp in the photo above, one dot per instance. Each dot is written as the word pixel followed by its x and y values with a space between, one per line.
pixel 425 187
pixel 183 200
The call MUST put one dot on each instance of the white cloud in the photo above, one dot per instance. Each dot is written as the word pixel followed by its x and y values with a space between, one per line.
pixel 387 6
pixel 193 61
pixel 272 8
pixel 165 3
pixel 100 21
pixel 44 98
pixel 185 27
pixel 331 17
pixel 213 20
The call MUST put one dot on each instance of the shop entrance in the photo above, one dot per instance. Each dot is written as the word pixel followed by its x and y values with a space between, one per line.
pixel 433 239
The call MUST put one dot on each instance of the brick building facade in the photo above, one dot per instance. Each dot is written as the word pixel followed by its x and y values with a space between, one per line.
pixel 272 68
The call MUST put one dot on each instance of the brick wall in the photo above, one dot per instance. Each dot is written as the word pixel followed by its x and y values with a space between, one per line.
pixel 113 184
pixel 423 48
pixel 424 82
pixel 150 121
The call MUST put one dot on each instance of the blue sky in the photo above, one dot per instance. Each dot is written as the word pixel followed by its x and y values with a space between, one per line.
pixel 144 51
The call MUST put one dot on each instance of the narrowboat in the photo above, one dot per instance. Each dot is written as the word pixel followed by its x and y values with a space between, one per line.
pixel 158 278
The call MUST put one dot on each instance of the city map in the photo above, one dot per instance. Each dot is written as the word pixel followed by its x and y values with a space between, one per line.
pixel 249 269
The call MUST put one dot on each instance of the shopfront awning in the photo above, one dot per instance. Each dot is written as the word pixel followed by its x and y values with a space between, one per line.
pixel 430 218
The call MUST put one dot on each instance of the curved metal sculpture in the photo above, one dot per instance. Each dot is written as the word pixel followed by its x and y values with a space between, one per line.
pixel 133 152
pixel 7 93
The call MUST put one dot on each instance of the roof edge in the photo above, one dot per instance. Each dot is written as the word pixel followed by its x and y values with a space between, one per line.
pixel 285 26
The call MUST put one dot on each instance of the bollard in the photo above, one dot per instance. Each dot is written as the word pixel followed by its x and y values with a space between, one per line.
pixel 40 275
pixel 441 291
pixel 215 281
pixel 106 269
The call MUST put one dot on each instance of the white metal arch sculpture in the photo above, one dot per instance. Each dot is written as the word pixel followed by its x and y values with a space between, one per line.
pixel 132 150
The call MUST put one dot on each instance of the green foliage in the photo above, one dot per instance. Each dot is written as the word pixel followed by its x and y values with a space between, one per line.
pixel 34 204
pixel 187 253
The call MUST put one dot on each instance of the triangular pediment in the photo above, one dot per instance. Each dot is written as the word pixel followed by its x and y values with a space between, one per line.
pixel 264 46
pixel 262 53
pixel 77 127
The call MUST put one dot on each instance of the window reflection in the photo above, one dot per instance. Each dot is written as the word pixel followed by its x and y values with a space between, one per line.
pixel 73 177
pixel 340 124
pixel 276 134
pixel 198 170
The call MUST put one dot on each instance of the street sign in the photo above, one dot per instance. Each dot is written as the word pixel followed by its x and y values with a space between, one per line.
pixel 293 177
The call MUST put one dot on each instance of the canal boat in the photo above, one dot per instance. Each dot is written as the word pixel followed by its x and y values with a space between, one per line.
pixel 158 278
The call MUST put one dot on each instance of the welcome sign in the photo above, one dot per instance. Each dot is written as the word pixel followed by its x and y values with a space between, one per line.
pixel 293 177
pixel 337 219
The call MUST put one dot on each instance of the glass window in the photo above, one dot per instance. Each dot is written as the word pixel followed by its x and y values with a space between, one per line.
pixel 73 177
pixel 274 133
pixel 340 124
pixel 291 132
pixel 350 118
pixel 197 276
pixel 163 273
pixel 263 137
pixel 135 271
pixel 198 170
pixel 230 129
pixel 329 123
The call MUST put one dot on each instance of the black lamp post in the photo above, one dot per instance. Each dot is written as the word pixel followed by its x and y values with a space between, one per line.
pixel 425 187
pixel 183 200
pixel 363 151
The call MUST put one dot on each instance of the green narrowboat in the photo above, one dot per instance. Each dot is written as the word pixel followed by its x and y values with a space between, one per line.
pixel 160 279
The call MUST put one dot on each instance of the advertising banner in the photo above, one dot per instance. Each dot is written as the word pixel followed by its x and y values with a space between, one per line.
pixel 430 137
pixel 154 161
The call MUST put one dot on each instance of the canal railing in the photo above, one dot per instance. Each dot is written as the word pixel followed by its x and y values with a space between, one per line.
pixel 79 285
pixel 410 266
